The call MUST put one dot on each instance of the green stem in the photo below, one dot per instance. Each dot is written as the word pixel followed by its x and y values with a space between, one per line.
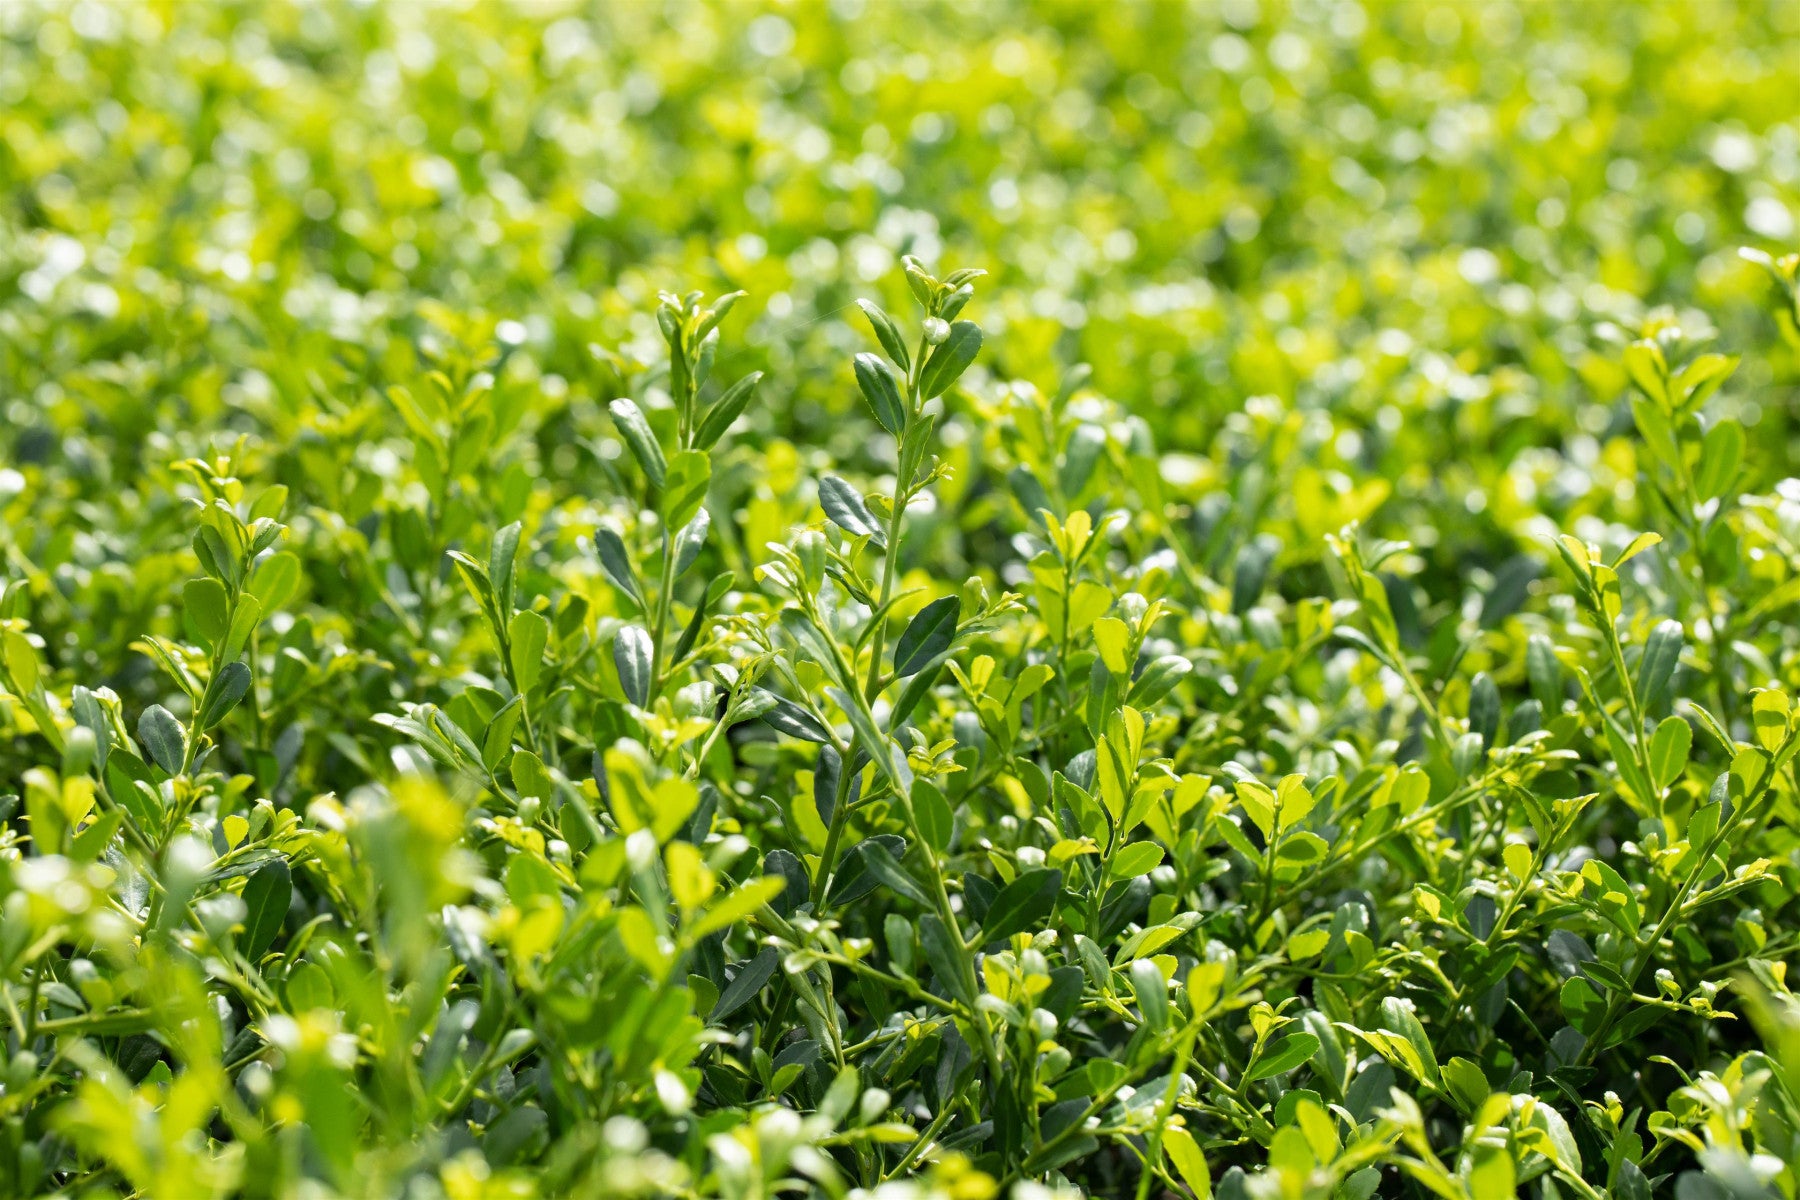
pixel 902 490
pixel 664 603
pixel 840 817
pixel 889 562
pixel 1646 948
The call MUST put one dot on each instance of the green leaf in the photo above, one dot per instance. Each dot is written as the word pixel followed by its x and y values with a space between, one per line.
pixel 1635 547
pixel 162 738
pixel 632 652
pixel 1190 1164
pixel 1631 775
pixel 881 388
pixel 1721 458
pixel 791 719
pixel 726 410
pixel 751 978
pixel 1113 639
pixel 1657 430
pixel 949 360
pixel 222 694
pixel 1138 858
pixel 1398 1016
pixel 1769 718
pixel 90 714
pixel 1300 850
pixel 1467 1084
pixel 216 558
pixel 243 624
pixel 609 547
pixel 882 864
pixel 845 506
pixel 1079 458
pixel 1285 1055
pixel 638 437
pixel 690 541
pixel 1645 364
pixel 1151 991
pixel 267 891
pixel 1158 679
pixel 275 580
pixel 92 841
pixel 684 487
pixel 944 955
pixel 1022 903
pixel 503 554
pixel 916 689
pixel 690 636
pixel 1484 708
pixel 1582 1005
pixel 1662 651
pixel 1669 748
pixel 526 638
pixel 476 577
pixel 207 607
pixel 887 333
pixel 1697 381
pixel 936 822
pixel 1293 802
pixel 928 635
pixel 853 878
pixel 1545 673
pixel 735 906
pixel 1518 859
pixel 21 663
pixel 1492 1177
pixel 1259 804
pixel 529 775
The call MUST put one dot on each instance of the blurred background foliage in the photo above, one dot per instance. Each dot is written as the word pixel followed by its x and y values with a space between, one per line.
pixel 1409 216
pixel 1419 226
pixel 1417 221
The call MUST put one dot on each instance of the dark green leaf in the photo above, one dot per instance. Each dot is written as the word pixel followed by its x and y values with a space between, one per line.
pixel 726 410
pixel 887 334
pixel 751 978
pixel 844 505
pixel 889 870
pixel 222 694
pixel 632 653
pixel 881 389
pixel 928 635
pixel 609 547
pixel 162 738
pixel 950 360
pixel 1022 903
pixel 944 955
pixel 267 892
pixel 795 721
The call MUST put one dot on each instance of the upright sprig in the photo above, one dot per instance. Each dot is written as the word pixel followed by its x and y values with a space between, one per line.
pixel 242 582
pixel 1693 464
pixel 897 389
pixel 677 466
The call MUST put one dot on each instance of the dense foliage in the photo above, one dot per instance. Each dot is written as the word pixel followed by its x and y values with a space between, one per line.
pixel 1201 602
